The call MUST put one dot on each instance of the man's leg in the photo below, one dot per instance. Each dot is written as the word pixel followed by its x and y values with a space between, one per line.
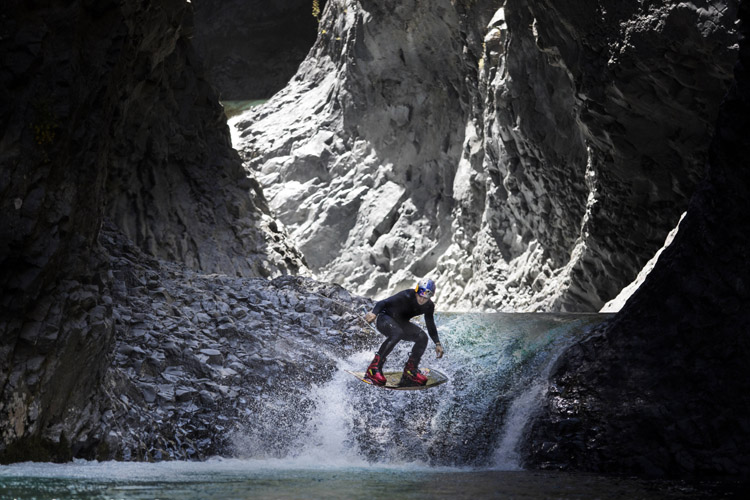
pixel 415 334
pixel 393 333
pixel 412 376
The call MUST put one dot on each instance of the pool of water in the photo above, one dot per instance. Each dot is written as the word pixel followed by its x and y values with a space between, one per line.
pixel 245 479
pixel 235 108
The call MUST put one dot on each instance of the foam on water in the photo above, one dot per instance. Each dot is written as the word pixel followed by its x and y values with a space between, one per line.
pixel 328 440
pixel 497 365
pixel 178 471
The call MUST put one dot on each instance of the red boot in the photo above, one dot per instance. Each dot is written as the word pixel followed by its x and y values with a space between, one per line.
pixel 374 372
pixel 412 376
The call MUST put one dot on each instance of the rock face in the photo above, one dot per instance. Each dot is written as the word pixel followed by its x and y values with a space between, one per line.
pixel 198 356
pixel 174 185
pixel 662 389
pixel 252 48
pixel 529 155
pixel 105 111
pixel 339 151
pixel 188 359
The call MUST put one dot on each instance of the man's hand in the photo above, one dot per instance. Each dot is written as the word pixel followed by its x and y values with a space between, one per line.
pixel 370 317
pixel 439 351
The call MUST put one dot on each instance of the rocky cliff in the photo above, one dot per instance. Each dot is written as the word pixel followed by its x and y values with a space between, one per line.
pixel 340 152
pixel 529 155
pixel 106 114
pixel 200 360
pixel 662 389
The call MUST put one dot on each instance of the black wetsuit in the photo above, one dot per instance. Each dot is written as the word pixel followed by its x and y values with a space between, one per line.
pixel 394 314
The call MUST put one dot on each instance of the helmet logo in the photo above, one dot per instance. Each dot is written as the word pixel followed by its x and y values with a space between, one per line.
pixel 425 288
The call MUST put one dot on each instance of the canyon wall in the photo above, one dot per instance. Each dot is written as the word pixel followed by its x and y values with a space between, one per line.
pixel 527 155
pixel 106 114
pixel 339 151
pixel 662 389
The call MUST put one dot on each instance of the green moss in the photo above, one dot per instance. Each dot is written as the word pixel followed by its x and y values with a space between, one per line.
pixel 233 108
pixel 316 9
pixel 37 449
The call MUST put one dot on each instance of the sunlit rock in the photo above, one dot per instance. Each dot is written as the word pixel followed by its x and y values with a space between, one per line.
pixel 544 151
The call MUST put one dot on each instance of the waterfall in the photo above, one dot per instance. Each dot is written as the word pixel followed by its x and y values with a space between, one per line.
pixel 497 365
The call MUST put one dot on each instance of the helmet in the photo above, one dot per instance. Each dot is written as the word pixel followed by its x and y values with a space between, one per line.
pixel 425 287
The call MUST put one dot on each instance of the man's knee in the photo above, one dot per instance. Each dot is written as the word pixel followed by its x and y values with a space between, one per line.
pixel 387 326
pixel 416 334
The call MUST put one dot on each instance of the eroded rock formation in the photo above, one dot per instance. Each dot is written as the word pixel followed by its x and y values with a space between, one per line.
pixel 530 155
pixel 105 112
pixel 341 155
pixel 662 389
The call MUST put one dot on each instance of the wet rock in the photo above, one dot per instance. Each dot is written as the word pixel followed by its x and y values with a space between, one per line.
pixel 169 377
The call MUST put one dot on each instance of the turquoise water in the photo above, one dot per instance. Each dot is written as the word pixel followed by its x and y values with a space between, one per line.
pixel 242 479
pixel 497 366
pixel 351 440
pixel 234 108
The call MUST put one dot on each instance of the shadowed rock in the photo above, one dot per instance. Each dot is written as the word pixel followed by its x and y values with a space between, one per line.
pixel 252 48
pixel 663 389
pixel 105 112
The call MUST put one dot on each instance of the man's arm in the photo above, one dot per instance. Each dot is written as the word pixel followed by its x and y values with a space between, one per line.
pixel 379 306
pixel 429 321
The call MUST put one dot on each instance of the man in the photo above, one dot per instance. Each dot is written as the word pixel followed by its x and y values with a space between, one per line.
pixel 393 315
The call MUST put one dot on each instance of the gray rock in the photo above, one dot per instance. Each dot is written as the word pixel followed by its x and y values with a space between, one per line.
pixel 183 394
pixel 213 356
pixel 149 394
pixel 239 312
pixel 507 159
pixel 228 328
pixel 166 392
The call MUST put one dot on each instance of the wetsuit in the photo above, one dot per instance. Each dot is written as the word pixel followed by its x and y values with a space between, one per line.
pixel 394 314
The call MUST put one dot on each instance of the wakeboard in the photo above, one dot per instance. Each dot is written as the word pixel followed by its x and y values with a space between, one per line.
pixel 434 378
